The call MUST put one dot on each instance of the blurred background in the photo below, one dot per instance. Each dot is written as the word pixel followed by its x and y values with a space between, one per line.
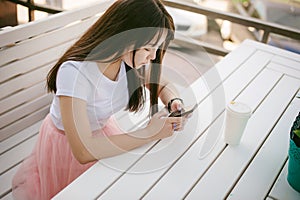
pixel 223 34
pixel 219 32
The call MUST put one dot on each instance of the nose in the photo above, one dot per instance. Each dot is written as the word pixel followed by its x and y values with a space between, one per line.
pixel 152 54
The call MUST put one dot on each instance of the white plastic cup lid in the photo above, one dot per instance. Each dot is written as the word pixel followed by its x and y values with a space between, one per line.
pixel 239 109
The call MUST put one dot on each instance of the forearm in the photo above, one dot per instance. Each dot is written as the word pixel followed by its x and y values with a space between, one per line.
pixel 168 92
pixel 87 147
pixel 100 147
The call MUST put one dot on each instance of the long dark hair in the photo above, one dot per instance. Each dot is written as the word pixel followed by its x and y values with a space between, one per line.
pixel 127 23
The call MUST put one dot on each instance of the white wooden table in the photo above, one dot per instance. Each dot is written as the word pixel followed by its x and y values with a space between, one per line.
pixel 264 77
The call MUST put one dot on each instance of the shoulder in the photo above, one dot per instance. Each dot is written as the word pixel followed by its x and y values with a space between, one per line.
pixel 79 67
pixel 71 64
pixel 73 80
pixel 74 70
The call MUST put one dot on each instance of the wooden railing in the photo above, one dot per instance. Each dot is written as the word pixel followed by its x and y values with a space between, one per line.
pixel 266 27
pixel 32 6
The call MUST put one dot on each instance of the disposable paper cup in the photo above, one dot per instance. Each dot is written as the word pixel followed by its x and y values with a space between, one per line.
pixel 237 116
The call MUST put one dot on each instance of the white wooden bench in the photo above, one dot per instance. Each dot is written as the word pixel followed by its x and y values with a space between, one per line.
pixel 27 52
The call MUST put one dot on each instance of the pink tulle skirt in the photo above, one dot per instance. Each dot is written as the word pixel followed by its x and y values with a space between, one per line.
pixel 51 165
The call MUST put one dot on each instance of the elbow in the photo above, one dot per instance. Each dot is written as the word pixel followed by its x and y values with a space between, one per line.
pixel 82 161
pixel 83 158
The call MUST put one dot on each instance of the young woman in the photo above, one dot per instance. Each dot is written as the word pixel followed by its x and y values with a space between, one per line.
pixel 105 71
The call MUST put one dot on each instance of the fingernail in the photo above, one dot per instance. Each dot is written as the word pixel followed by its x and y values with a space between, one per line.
pixel 179 107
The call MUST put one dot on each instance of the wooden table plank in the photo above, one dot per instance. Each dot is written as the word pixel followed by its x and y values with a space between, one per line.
pixel 248 71
pixel 284 69
pixel 271 49
pixel 288 62
pixel 178 181
pixel 260 87
pixel 282 190
pixel 228 167
pixel 263 170
pixel 220 72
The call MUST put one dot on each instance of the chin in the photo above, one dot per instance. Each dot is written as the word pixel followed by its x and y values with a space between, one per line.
pixel 140 65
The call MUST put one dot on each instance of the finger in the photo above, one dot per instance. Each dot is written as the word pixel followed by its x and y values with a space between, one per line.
pixel 178 106
pixel 174 119
pixel 177 126
pixel 174 126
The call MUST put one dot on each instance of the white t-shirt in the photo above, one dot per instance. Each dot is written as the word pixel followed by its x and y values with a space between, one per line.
pixel 85 81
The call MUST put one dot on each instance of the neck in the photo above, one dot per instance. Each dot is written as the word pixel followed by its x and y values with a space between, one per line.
pixel 110 70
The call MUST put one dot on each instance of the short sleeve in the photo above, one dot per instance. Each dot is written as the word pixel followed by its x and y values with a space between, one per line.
pixel 71 81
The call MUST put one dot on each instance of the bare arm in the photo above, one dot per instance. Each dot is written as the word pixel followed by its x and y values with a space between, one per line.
pixel 87 148
pixel 167 91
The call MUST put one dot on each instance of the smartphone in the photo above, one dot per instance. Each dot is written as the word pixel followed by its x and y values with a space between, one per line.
pixel 183 112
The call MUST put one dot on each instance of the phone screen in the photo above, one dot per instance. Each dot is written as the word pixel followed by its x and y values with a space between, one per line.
pixel 183 112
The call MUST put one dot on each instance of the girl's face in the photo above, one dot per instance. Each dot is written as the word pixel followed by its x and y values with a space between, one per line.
pixel 145 54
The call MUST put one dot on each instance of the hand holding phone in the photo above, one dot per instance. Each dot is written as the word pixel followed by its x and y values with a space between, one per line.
pixel 182 112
